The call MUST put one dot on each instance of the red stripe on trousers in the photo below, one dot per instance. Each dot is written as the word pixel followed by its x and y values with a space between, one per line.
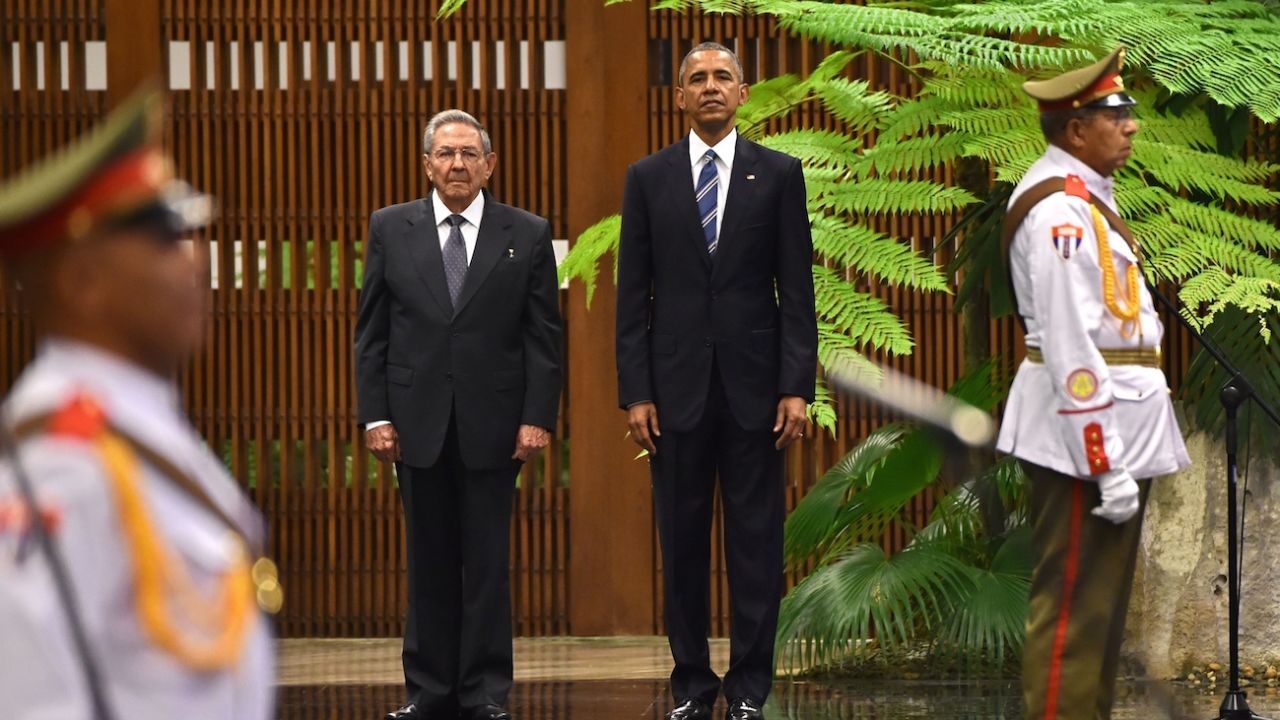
pixel 1064 613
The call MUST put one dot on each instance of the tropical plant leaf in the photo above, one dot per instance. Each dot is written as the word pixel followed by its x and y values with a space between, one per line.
pixel 863 595
pixel 583 260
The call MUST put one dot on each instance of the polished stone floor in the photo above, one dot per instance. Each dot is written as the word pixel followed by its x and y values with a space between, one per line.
pixel 597 679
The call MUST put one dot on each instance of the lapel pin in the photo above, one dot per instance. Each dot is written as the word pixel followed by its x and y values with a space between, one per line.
pixel 511 252
pixel 751 177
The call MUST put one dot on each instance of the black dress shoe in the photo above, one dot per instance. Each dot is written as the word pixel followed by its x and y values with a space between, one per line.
pixel 690 710
pixel 408 712
pixel 744 709
pixel 486 712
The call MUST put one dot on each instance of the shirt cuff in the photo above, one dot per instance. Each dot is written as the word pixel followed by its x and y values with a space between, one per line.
pixel 376 423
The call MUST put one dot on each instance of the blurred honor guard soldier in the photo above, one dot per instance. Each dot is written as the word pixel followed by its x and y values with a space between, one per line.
pixel 157 540
pixel 458 375
pixel 716 336
pixel 1089 415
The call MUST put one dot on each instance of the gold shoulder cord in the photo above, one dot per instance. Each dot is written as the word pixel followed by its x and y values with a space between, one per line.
pixel 1129 308
pixel 224 621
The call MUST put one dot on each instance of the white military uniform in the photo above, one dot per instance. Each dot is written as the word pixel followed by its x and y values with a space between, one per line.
pixel 1073 413
pixel 40 677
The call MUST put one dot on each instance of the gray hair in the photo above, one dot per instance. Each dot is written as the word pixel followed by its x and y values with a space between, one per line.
pixel 449 117
pixel 705 46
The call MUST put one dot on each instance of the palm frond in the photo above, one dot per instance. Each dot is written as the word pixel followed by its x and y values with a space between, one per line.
pixel 810 525
pixel 865 594
pixel 990 621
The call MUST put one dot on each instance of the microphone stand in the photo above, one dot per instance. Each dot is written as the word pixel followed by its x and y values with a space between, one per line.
pixel 1236 392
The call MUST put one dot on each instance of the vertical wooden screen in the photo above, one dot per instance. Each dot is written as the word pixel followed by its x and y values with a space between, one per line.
pixel 302 118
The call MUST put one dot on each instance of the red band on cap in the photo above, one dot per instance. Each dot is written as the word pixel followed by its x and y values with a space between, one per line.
pixel 127 183
pixel 1106 85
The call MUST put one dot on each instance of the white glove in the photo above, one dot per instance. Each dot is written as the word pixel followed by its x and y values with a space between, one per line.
pixel 1119 495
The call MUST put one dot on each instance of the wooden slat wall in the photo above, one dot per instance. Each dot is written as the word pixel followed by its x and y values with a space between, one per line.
pixel 39 114
pixel 298 164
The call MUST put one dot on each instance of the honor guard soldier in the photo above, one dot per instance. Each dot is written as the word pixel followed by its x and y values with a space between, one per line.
pixel 156 540
pixel 1089 415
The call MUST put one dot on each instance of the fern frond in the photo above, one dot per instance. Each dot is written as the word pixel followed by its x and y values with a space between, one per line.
pixel 1184 255
pixel 769 99
pixel 975 88
pixel 875 254
pixel 852 102
pixel 880 195
pixel 817 148
pixel 982 121
pixel 864 318
pixel 1186 168
pixel 913 116
pixel 1012 151
pixel 1137 199
pixel 1215 222
pixel 822 411
pixel 892 157
pixel 583 259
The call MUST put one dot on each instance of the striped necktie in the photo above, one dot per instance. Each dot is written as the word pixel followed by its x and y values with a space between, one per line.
pixel 708 184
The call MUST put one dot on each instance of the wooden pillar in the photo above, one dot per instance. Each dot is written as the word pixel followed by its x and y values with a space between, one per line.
pixel 134 47
pixel 611 585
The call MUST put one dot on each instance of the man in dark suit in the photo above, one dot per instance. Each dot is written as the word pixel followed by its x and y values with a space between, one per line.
pixel 458 374
pixel 716 335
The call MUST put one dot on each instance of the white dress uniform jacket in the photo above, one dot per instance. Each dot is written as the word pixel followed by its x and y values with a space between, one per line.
pixel 40 677
pixel 1073 413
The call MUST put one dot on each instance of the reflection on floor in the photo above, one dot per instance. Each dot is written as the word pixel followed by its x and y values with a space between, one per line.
pixel 601 679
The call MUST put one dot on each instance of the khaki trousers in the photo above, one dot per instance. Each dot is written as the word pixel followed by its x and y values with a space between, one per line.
pixel 1079 598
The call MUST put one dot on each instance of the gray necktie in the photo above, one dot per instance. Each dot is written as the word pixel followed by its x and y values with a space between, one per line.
pixel 455 258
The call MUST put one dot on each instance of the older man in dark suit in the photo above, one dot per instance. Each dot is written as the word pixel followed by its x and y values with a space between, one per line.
pixel 458 375
pixel 716 335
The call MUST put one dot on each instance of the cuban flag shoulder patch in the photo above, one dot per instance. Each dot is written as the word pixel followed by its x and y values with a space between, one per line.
pixel 1067 239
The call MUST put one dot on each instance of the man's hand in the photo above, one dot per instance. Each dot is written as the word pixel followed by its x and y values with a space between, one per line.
pixel 384 442
pixel 529 440
pixel 791 420
pixel 642 418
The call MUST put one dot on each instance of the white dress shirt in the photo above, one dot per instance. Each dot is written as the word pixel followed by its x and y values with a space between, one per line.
pixel 470 231
pixel 470 228
pixel 724 166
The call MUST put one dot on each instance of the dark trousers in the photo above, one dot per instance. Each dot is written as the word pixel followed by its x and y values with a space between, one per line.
pixel 753 496
pixel 457 634
pixel 1079 598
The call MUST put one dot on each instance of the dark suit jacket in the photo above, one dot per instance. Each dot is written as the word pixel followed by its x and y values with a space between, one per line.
pixel 751 308
pixel 495 361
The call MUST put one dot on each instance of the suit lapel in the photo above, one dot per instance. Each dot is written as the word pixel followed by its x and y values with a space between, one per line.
pixel 741 191
pixel 490 242
pixel 683 196
pixel 423 240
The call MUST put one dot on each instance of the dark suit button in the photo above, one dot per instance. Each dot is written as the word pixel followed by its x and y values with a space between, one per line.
pixel 715 296
pixel 706 342
pixel 455 335
pixel 448 376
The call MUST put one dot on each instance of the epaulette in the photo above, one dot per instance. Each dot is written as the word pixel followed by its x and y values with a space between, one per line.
pixel 1075 187
pixel 81 417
